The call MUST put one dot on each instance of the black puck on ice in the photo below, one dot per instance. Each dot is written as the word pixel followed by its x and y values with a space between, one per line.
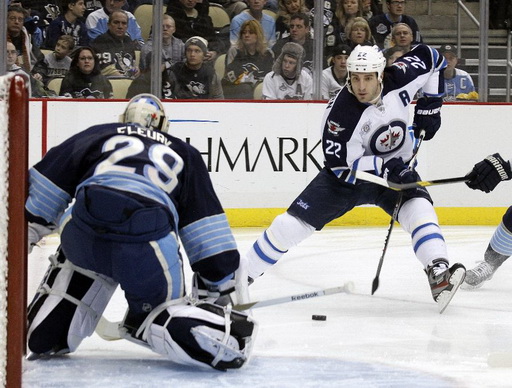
pixel 319 317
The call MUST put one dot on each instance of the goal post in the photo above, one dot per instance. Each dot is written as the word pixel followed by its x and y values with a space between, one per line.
pixel 14 190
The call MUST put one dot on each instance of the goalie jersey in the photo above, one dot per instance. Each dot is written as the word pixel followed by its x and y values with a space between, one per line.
pixel 145 163
pixel 362 136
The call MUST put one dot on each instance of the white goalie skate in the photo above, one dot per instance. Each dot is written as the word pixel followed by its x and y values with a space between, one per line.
pixel 476 277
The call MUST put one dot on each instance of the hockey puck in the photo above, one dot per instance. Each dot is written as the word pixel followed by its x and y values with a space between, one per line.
pixel 319 317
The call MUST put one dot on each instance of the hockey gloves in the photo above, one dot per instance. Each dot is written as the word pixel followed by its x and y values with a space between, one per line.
pixel 395 170
pixel 486 174
pixel 427 116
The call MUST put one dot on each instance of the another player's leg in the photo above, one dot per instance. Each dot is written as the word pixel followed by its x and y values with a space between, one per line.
pixel 66 308
pixel 417 216
pixel 285 232
pixel 499 250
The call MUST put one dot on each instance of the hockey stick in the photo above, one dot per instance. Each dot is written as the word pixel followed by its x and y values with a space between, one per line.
pixel 375 283
pixel 113 331
pixel 366 176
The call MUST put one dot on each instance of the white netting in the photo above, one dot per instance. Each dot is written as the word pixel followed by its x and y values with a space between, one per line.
pixel 5 82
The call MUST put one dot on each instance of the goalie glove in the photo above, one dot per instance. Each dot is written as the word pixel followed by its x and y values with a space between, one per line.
pixel 427 116
pixel 486 174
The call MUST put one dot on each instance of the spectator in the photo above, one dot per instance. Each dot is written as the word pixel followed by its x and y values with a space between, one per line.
pixel 194 79
pixel 255 12
pixel 173 49
pixel 371 8
pixel 115 49
pixel 456 81
pixel 287 8
pixel 56 63
pixel 28 53
pixel 247 63
pixel 357 32
pixel 84 79
pixel 68 23
pixel 12 67
pixel 346 10
pixel 382 24
pixel 335 76
pixel 393 53
pixel 401 36
pixel 97 21
pixel 192 19
pixel 288 81
pixel 300 34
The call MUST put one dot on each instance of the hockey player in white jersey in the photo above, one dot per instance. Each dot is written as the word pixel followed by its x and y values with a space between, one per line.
pixel 485 176
pixel 365 127
pixel 136 190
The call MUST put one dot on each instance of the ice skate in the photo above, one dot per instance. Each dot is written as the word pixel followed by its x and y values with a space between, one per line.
pixel 444 281
pixel 476 277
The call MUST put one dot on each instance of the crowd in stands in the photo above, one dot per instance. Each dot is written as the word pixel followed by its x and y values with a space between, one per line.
pixel 267 50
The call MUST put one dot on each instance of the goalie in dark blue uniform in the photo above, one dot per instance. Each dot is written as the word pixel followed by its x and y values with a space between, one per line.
pixel 137 190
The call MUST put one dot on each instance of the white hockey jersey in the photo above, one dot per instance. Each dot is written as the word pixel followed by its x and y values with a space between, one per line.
pixel 276 88
pixel 361 136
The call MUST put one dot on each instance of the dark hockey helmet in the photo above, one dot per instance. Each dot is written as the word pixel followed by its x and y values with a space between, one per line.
pixel 147 111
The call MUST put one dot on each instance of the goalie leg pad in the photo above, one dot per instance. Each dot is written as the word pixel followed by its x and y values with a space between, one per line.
pixel 67 307
pixel 202 335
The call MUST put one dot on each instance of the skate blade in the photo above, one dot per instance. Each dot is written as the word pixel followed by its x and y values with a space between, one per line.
pixel 468 287
pixel 444 298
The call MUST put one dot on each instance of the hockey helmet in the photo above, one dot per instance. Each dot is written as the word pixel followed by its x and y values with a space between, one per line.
pixel 147 111
pixel 366 59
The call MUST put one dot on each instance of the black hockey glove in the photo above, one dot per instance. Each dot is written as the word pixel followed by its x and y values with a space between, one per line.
pixel 486 174
pixel 427 116
pixel 395 170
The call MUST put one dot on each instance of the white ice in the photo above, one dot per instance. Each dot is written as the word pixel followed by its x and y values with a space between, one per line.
pixel 395 338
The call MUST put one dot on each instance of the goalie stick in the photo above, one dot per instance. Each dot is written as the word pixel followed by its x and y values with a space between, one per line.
pixel 113 331
pixel 366 176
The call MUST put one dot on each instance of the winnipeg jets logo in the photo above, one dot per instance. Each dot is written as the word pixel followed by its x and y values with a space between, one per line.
pixel 388 138
pixel 334 128
pixel 401 65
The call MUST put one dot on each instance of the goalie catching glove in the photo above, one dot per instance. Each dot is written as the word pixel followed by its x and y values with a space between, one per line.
pixel 486 174
pixel 427 116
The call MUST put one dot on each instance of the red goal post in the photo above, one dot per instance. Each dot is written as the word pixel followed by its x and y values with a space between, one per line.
pixel 13 267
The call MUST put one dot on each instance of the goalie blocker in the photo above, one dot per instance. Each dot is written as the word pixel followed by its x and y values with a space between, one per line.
pixel 71 300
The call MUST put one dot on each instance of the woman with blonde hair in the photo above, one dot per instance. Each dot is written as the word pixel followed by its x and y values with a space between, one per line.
pixel 247 62
pixel 287 8
pixel 357 32
pixel 346 10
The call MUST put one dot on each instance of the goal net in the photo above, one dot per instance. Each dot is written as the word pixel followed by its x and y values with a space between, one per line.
pixel 13 235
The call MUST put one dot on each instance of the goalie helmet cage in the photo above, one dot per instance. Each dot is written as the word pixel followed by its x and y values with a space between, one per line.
pixel 14 190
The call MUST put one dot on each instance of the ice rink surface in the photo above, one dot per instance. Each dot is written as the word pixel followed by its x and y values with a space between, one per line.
pixel 395 338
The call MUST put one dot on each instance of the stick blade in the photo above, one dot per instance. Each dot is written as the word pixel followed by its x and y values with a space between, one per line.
pixel 375 285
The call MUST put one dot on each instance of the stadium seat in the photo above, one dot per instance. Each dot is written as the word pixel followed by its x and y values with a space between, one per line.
pixel 54 85
pixel 144 15
pixel 120 87
pixel 258 91
pixel 220 17
pixel 220 66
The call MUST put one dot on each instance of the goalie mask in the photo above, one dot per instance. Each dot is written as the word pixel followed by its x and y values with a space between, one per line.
pixel 147 111
pixel 365 59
